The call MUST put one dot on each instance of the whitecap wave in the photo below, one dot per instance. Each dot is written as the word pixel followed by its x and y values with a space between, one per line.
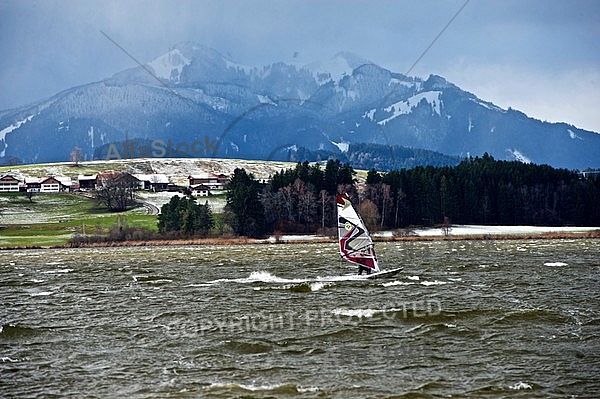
pixel 317 286
pixel 520 385
pixel 436 282
pixel 266 277
pixel 57 271
pixel 555 264
pixel 360 313
pixel 41 293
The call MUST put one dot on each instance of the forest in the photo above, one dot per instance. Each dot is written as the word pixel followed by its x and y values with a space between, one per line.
pixel 478 190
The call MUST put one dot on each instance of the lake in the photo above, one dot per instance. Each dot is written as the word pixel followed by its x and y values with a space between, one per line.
pixel 516 318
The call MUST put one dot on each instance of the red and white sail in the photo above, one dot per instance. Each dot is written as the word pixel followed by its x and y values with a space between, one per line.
pixel 355 242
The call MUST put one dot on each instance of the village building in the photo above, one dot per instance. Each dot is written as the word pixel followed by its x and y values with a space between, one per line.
pixel 9 183
pixel 211 180
pixel 49 185
pixel 33 184
pixel 53 184
pixel 65 183
pixel 201 190
pixel 126 179
pixel 152 182
pixel 87 182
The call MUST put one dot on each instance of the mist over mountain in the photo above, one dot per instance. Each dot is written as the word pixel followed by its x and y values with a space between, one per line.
pixel 206 104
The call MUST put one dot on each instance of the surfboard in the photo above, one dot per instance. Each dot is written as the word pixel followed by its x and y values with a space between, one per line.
pixel 384 273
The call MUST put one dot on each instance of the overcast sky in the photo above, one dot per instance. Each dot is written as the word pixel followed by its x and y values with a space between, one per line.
pixel 541 57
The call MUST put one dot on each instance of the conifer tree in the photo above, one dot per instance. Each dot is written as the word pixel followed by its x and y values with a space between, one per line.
pixel 244 211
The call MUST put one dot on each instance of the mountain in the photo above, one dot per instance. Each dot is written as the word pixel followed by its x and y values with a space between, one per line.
pixel 193 101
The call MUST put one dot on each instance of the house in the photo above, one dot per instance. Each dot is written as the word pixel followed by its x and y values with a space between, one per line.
pixel 200 190
pixel 119 178
pixel 9 183
pixel 152 182
pixel 49 185
pixel 33 184
pixel 87 182
pixel 213 181
pixel 55 184
pixel 66 184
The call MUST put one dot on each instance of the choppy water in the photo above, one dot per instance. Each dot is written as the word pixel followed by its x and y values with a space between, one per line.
pixel 465 319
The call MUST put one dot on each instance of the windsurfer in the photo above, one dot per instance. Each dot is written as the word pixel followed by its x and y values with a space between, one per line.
pixel 362 269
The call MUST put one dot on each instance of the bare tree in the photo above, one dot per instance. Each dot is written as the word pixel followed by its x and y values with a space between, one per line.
pixel 116 192
pixel 76 155
pixel 307 205
pixel 324 197
pixel 446 226
pixel 369 213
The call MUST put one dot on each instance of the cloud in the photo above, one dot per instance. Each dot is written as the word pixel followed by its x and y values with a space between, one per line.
pixel 564 96
pixel 51 45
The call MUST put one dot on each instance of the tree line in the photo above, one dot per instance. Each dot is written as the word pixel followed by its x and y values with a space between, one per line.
pixel 486 191
pixel 478 190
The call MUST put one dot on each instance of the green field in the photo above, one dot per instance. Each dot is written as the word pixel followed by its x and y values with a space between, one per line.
pixel 52 219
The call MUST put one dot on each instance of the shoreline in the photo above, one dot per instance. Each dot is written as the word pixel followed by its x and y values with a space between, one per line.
pixel 311 239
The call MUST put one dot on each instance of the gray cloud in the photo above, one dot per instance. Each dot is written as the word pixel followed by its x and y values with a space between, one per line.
pixel 48 46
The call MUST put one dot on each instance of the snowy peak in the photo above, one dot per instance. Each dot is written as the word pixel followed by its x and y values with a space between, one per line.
pixel 169 66
pixel 340 65
pixel 322 107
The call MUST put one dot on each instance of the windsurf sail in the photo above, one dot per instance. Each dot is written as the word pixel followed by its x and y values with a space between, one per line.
pixel 354 240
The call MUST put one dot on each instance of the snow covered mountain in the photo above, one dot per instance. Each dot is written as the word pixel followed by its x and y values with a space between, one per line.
pixel 194 101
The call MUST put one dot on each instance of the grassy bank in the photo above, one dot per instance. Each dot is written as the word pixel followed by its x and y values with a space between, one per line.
pixel 50 220
pixel 50 241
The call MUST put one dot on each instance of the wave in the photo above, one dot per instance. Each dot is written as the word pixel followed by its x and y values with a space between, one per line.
pixel 15 331
pixel 537 314
pixel 248 347
pixel 555 264
pixel 520 385
pixel 258 277
pixel 267 277
pixel 41 293
pixel 56 271
pixel 158 280
pixel 232 388
pixel 308 287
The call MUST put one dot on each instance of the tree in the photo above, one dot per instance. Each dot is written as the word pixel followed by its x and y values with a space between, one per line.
pixel 116 192
pixel 337 174
pixel 446 226
pixel 183 215
pixel 244 211
pixel 76 155
pixel 169 218
pixel 307 204
pixel 373 177
pixel 369 213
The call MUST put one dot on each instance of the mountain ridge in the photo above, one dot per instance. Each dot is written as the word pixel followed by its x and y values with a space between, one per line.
pixel 250 111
